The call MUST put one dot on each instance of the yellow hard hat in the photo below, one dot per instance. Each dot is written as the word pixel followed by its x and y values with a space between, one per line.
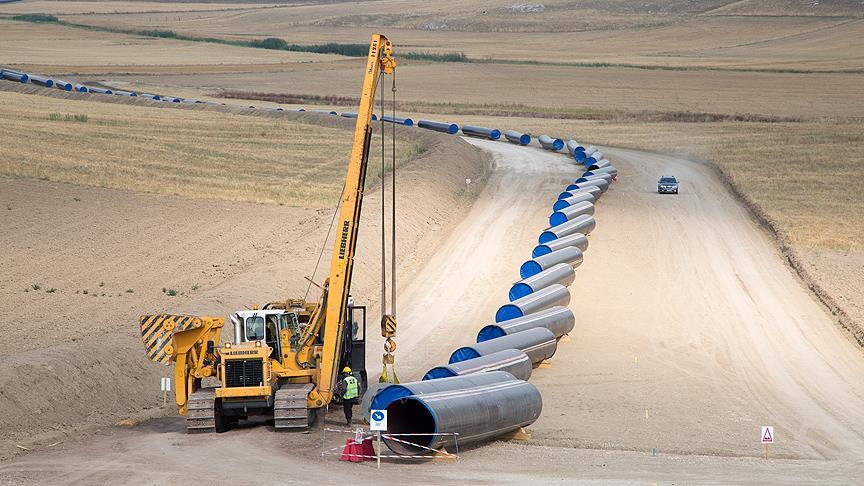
pixel 346 370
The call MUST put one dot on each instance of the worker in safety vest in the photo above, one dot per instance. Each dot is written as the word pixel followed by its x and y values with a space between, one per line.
pixel 349 395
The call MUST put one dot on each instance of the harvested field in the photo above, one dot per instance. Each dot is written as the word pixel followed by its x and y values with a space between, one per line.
pixel 170 151
pixel 110 7
pixel 51 44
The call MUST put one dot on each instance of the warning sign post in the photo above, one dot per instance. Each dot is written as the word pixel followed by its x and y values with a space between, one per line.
pixel 767 437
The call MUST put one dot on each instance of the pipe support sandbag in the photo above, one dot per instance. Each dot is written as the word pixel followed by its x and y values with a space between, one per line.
pixel 561 273
pixel 569 255
pixel 443 127
pixel 398 120
pixel 559 320
pixel 538 343
pixel 570 212
pixel 481 132
pixel 551 296
pixel 549 143
pixel 512 361
pixel 513 136
pixel 576 239
pixel 473 412
pixel 589 194
pixel 584 224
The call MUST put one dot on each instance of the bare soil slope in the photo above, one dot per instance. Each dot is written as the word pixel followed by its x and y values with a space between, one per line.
pixel 71 355
pixel 691 334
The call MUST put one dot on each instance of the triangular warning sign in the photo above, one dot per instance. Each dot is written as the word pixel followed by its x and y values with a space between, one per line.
pixel 766 437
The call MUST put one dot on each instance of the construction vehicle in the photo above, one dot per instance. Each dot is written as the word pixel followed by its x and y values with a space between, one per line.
pixel 285 358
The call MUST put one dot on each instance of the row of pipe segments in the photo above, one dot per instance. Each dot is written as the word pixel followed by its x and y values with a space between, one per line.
pixel 545 141
pixel 483 391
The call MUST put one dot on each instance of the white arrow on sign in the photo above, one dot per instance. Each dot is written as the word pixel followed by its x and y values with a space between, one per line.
pixel 378 420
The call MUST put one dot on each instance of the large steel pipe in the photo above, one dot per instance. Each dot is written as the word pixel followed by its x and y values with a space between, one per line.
pixel 551 296
pixel 391 393
pixel 559 320
pixel 153 97
pixel 580 156
pixel 100 90
pixel 549 143
pixel 576 239
pixel 603 170
pixel 513 136
pixel 538 343
pixel 590 150
pixel 368 396
pixel 443 127
pixel 600 183
pixel 584 224
pixel 133 94
pixel 14 76
pixel 599 164
pixel 41 80
pixel 481 132
pixel 64 85
pixel 573 146
pixel 352 114
pixel 512 361
pixel 569 255
pixel 562 274
pixel 570 212
pixel 81 88
pixel 474 412
pixel 395 119
pixel 607 177
pixel 589 194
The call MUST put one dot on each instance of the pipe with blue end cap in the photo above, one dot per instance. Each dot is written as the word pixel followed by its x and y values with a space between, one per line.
pixel 577 240
pixel 584 224
pixel 566 214
pixel 551 296
pixel 549 143
pixel 589 194
pixel 443 127
pixel 481 132
pixel 512 361
pixel 569 255
pixel 520 138
pixel 562 274
pixel 559 320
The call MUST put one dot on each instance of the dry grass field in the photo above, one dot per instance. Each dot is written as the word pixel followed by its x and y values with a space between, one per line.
pixel 169 151
pixel 107 7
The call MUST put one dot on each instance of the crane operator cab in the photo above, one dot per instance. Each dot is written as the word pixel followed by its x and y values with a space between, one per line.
pixel 266 326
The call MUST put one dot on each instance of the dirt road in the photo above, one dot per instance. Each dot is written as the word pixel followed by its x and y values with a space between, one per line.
pixel 691 333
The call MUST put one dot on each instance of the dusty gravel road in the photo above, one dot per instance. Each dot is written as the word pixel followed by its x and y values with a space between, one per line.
pixel 691 333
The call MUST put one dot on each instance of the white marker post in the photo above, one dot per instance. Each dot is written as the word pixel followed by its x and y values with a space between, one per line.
pixel 767 437
pixel 378 422
pixel 166 387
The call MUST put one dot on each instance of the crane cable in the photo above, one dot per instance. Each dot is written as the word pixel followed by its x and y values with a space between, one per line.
pixel 388 321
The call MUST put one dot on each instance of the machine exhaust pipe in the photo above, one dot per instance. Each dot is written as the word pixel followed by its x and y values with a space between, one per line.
pixel 551 296
pixel 559 320
pixel 512 361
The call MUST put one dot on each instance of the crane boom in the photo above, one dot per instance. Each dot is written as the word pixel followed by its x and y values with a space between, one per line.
pixel 342 260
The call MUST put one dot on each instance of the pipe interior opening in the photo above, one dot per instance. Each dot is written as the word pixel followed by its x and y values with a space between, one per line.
pixel 410 416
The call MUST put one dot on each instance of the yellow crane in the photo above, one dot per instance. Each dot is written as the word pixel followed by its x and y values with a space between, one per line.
pixel 286 356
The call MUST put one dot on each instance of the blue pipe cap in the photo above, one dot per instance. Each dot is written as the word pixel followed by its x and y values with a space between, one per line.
pixel 489 332
pixel 540 250
pixel 564 195
pixel 546 237
pixel 519 290
pixel 463 354
pixel 557 218
pixel 507 312
pixel 558 144
pixel 560 204
pixel 438 372
pixel 588 173
pixel 589 161
pixel 388 395
pixel 529 269
pixel 580 156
